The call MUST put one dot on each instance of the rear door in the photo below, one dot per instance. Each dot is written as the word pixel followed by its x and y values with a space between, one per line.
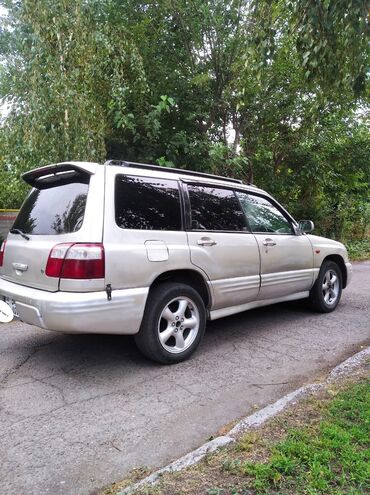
pixel 286 258
pixel 64 206
pixel 221 245
pixel 143 235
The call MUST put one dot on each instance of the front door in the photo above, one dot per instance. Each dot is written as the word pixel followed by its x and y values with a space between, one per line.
pixel 221 245
pixel 286 258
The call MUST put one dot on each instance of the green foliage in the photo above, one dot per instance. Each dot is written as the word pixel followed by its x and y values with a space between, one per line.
pixel 267 91
pixel 359 250
pixel 325 177
pixel 329 36
pixel 74 79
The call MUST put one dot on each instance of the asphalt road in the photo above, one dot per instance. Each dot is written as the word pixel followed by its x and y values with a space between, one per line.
pixel 79 412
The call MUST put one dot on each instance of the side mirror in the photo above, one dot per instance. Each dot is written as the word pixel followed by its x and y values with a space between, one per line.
pixel 306 226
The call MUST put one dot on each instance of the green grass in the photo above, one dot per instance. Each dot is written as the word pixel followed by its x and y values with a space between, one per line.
pixel 359 250
pixel 331 458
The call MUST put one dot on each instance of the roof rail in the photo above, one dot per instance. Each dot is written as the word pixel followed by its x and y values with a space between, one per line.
pixel 123 163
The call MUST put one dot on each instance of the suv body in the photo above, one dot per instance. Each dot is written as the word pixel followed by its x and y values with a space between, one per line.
pixel 95 247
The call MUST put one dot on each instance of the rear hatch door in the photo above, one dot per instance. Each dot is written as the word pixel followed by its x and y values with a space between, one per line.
pixel 54 212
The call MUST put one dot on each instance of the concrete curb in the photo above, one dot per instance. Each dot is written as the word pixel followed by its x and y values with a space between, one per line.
pixel 261 416
pixel 184 462
pixel 252 421
pixel 348 365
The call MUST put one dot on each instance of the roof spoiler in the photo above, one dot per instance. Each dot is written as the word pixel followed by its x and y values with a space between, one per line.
pixel 33 176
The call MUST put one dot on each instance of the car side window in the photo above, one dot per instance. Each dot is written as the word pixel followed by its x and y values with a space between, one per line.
pixel 215 208
pixel 263 216
pixel 147 203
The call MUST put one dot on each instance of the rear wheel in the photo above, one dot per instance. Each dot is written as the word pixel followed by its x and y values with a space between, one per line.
pixel 327 290
pixel 173 324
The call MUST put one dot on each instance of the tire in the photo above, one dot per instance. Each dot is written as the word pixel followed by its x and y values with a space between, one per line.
pixel 173 324
pixel 327 290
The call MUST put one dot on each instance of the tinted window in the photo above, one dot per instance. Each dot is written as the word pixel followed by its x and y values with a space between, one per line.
pixel 215 209
pixel 55 208
pixel 263 216
pixel 147 204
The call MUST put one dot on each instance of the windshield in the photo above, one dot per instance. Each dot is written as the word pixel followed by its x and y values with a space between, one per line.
pixel 54 208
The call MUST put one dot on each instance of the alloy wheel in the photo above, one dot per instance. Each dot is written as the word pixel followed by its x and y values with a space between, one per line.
pixel 330 287
pixel 178 325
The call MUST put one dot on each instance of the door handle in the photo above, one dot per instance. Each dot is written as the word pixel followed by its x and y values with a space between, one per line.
pixel 21 267
pixel 268 242
pixel 206 241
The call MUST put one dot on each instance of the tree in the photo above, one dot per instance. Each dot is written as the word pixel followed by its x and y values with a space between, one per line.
pixel 330 37
pixel 66 77
pixel 263 90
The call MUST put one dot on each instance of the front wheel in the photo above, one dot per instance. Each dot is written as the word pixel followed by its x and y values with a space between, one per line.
pixel 327 290
pixel 173 323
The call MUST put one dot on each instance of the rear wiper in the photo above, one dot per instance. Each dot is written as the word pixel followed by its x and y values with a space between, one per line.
pixel 19 232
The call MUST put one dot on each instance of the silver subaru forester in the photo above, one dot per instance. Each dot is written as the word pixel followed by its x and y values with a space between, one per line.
pixel 129 248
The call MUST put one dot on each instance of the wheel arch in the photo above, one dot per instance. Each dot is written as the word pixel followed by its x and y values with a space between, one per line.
pixel 337 258
pixel 186 276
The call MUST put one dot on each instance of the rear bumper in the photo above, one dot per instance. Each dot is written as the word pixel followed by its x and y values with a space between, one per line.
pixel 76 312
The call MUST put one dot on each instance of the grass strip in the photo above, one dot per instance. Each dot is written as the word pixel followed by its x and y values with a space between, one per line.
pixel 331 457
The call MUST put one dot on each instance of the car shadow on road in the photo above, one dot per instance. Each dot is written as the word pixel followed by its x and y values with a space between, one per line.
pixel 74 352
pixel 258 318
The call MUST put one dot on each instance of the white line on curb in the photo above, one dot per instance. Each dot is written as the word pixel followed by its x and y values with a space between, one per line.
pixel 254 420
pixel 348 365
pixel 261 416
pixel 186 461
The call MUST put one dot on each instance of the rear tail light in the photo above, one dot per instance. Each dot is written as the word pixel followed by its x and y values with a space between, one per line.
pixel 76 261
pixel 56 259
pixel 2 252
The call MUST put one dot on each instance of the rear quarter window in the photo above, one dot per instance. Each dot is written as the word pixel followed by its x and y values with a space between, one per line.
pixel 147 204
pixel 55 208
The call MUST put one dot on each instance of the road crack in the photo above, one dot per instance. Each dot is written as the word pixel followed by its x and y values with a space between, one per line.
pixel 24 361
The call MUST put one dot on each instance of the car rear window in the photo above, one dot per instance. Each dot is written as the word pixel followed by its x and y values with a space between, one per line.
pixel 147 204
pixel 54 208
